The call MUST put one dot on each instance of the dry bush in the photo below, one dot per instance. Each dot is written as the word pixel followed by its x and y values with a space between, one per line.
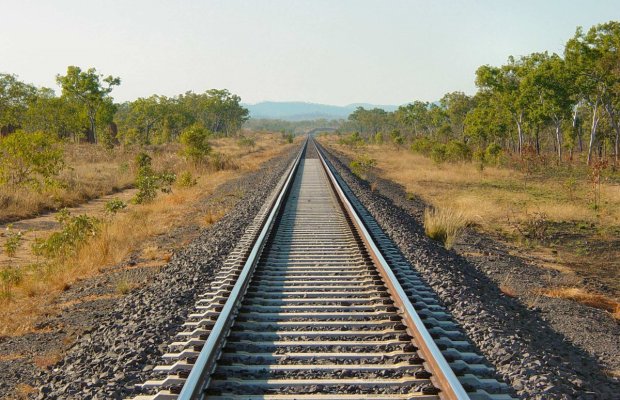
pixel 595 300
pixel 444 225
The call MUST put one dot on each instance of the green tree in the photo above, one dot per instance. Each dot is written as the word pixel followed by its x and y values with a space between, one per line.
pixel 414 117
pixel 54 115
pixel 14 99
pixel 504 84
pixel 550 82
pixel 90 90
pixel 457 105
pixel 594 58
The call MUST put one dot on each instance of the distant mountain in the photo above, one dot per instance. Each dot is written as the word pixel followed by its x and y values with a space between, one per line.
pixel 300 111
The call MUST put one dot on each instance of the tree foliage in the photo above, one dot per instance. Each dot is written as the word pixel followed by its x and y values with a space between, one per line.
pixel 29 158
pixel 539 102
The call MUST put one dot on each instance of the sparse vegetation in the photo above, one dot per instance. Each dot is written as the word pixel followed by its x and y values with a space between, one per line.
pixel 186 180
pixel 74 232
pixel 12 241
pixel 149 182
pixel 362 165
pixel 552 216
pixel 111 241
pixel 125 285
pixel 9 277
pixel 114 206
pixel 29 158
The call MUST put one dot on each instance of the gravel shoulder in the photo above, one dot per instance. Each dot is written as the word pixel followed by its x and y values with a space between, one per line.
pixel 104 342
pixel 545 348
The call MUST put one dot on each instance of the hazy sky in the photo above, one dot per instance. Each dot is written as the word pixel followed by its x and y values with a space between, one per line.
pixel 336 52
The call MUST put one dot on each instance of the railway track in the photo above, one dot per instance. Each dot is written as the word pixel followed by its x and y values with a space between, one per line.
pixel 316 303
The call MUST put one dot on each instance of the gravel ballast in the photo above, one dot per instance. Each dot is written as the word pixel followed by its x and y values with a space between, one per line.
pixel 527 350
pixel 128 342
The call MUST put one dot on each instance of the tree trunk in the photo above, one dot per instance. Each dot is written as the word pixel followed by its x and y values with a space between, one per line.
pixel 558 138
pixel 595 118
pixel 91 137
pixel 537 139
pixel 614 123
pixel 520 134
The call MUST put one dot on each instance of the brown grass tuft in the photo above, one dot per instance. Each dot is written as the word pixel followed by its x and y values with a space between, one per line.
pixel 125 285
pixel 508 290
pixel 595 300
pixel 24 391
pixel 48 359
pixel 444 225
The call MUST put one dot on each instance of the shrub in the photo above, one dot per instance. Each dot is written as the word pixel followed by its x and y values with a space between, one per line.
pixel 438 153
pixel 352 140
pixel 422 145
pixel 288 137
pixel 493 153
pixel 75 230
pixel 379 138
pixel 186 179
pixel 114 206
pixel 9 277
pixel 444 225
pixel 396 137
pixel 457 151
pixel 29 158
pixel 362 165
pixel 13 240
pixel 220 162
pixel 149 182
pixel 195 142
pixel 246 142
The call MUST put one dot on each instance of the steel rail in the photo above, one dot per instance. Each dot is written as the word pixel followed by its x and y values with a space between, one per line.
pixel 443 375
pixel 199 376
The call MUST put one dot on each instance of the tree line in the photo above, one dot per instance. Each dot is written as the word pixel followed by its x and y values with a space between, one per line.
pixel 86 111
pixel 538 103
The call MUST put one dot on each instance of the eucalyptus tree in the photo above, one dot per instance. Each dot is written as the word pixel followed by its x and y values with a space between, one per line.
pixel 487 122
pixel 595 60
pixel 504 84
pixel 414 117
pixel 146 115
pixel 548 83
pixel 370 121
pixel 457 105
pixel 55 115
pixel 90 90
pixel 15 96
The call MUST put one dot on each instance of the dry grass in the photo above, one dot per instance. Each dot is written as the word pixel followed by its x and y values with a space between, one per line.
pixel 128 231
pixel 508 290
pixel 24 391
pixel 487 197
pixel 590 299
pixel 91 172
pixel 48 359
pixel 574 238
pixel 444 225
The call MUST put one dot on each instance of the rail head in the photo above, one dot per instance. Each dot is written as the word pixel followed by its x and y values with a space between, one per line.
pixel 199 376
pixel 450 386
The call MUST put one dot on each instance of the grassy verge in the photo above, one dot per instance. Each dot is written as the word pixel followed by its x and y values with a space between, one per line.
pixel 547 217
pixel 128 231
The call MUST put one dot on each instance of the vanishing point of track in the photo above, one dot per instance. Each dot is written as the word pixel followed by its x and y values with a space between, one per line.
pixel 309 307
